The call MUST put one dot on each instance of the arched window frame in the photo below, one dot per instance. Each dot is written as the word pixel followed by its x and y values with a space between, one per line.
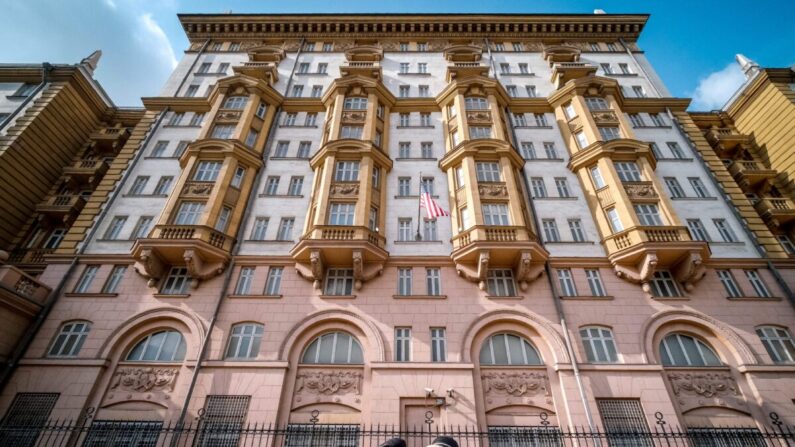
pixel 476 103
pixel 488 344
pixel 178 354
pixel 246 336
pixel 701 346
pixel 69 339
pixel 235 102
pixel 355 103
pixel 593 342
pixel 353 344
pixel 778 343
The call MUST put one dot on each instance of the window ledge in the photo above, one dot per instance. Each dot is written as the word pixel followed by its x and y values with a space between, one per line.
pixel 166 295
pixel 675 159
pixel 197 126
pixel 544 159
pixel 727 244
pixel 208 73
pixel 555 198
pixel 621 75
pixel 421 241
pixel 522 75
pixel 271 241
pixel 512 297
pixel 588 298
pixel 416 73
pixel 312 73
pixel 115 240
pixel 282 196
pixel 297 126
pixel 569 242
pixel 670 298
pixel 160 158
pixel 533 127
pixel 145 196
pixel 337 297
pixel 416 159
pixel 414 196
pixel 289 158
pixel 754 298
pixel 247 297
pixel 419 297
pixel 90 295
pixel 17 96
pixel 416 127
pixel 651 127
pixel 694 198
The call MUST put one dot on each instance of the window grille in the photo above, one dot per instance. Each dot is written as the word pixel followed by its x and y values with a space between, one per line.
pixel 623 417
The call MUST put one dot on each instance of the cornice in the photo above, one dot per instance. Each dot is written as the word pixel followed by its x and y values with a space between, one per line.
pixel 655 105
pixel 751 90
pixel 176 104
pixel 257 26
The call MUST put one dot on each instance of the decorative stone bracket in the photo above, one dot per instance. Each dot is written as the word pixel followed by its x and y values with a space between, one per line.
pixel 152 267
pixel 526 270
pixel 363 271
pixel 688 270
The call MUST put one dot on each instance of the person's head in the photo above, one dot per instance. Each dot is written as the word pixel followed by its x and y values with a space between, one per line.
pixel 394 442
pixel 444 441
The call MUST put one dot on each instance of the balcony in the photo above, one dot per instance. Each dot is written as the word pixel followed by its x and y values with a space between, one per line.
pixel 621 149
pixel 110 139
pixel 367 69
pixel 563 72
pixel 726 138
pixel 203 250
pixel 638 251
pixel 461 70
pixel 21 298
pixel 484 246
pixel 29 255
pixel 340 246
pixel 63 208
pixel 266 71
pixel 86 172
pixel 776 211
pixel 750 174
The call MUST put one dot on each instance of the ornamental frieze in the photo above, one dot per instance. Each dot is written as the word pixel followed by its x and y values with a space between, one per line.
pixel 516 387
pixel 152 384
pixel 479 116
pixel 354 116
pixel 604 116
pixel 228 115
pixel 640 190
pixel 197 188
pixel 493 190
pixel 344 189
pixel 693 389
pixel 329 382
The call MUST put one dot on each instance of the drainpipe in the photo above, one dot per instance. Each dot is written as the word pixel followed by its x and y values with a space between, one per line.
pixel 192 66
pixel 33 329
pixel 46 68
pixel 235 250
pixel 727 200
pixel 553 288
pixel 640 66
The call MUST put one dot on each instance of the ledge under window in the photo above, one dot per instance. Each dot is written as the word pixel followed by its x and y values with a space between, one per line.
pixel 145 196
pixel 312 73
pixel 726 244
pixel 674 159
pixel 421 241
pixel 555 198
pixel 167 295
pixel 533 127
pixel 652 127
pixel 90 295
pixel 544 159
pixel 415 73
pixel 694 198
pixel 289 158
pixel 521 75
pixel 416 127
pixel 182 125
pixel 587 298
pixel 621 75
pixel 210 73
pixel 568 242
pixel 670 298
pixel 338 297
pixel 419 297
pixel 259 297
pixel 414 197
pixel 271 241
pixel 754 298
pixel 282 196
pixel 298 126
pixel 512 297
pixel 160 158
pixel 416 159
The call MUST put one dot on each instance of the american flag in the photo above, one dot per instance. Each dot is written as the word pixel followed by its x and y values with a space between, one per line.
pixel 431 207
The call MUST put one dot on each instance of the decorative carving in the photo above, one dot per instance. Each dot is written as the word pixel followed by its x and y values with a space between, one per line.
pixel 515 383
pixel 479 116
pixel 150 266
pixel 344 189
pixel 228 115
pixel 249 44
pixel 291 45
pixel 142 380
pixel 198 269
pixel 437 45
pixel 478 273
pixel 329 382
pixel 705 388
pixel 604 116
pixel 388 45
pixel 363 272
pixel 533 46
pixel 354 116
pixel 526 271
pixel 640 275
pixel 196 46
pixel 640 190
pixel 690 270
pixel 343 45
pixel 197 188
pixel 493 190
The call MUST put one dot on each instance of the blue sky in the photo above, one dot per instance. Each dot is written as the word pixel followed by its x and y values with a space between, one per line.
pixel 690 43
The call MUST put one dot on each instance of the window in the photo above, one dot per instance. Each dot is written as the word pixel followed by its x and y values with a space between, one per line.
pixel 684 350
pixel 222 419
pixel 303 68
pixel 508 349
pixel 540 119
pixel 638 91
pixel 25 90
pixel 627 171
pixel 599 345
pixel 196 119
pixel 648 214
pixel 606 68
pixel 237 179
pixel 222 68
pixel 698 187
pixel 465 217
pixel 309 46
pixel 192 90
pixel 596 176
pixel 476 103
pixel 676 150
pixel 322 68
pixel 725 230
pixel 404 67
pixel 176 118
pixel 162 346
pixel 163 185
pixel 244 280
pixel 339 282
pixel 317 91
pixel 235 102
pixel 657 120
pixel 372 220
pixel 477 132
pixel 404 229
pixel 499 47
pixel 347 171
pixel 207 171
pixel 438 345
pixel 114 229
pixel 551 233
pixel 176 282
pixel 528 150
pixel 499 282
pixel 159 149
pixel 403 91
pixel 433 281
pixel 519 120
pixel 523 69
pixel 538 187
pixel 296 185
pixel 562 186
pixel 786 242
pixel 404 186
pixel 495 214
pixel 251 138
pixel 333 348
pixel 425 119
pixel 760 289
pixel 426 149
pixel 595 282
pixel 595 103
pixel 623 418
pixel 261 109
pixel 223 219
pixel 424 91
pixel 778 343
pixel 138 185
pixel 609 133
pixel 404 281
pixel 663 285
pixel 674 187
pixel 505 68
pixel 727 279
pixel 454 139
pixel 289 119
pixel 460 181
pixel 31 411
pixel 577 234
pixel 304 147
pixel 273 284
pixel 141 229
pixel 259 228
pixel 281 149
pixel 531 91
pixel 234 46
pixel 272 186
pixel 244 341
pixel 624 68
pixel 55 238
pixel 341 213
pixel 488 171
pixel 614 219
pixel 223 131
pixel 70 339
pixel 113 281
pixel 568 110
pixel 429 230
pixel 298 90
pixel 405 120
pixel 403 46
pixel 582 140
pixel 566 283
pixel 697 230
pixel 656 151
pixel 285 229
pixel 354 132
pixel 402 344
pixel 422 46
pixel 636 120
pixel 512 92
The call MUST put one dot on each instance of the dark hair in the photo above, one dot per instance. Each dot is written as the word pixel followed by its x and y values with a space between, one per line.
pixel 444 441
pixel 394 442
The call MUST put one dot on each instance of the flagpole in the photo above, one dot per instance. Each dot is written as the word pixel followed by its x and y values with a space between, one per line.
pixel 418 236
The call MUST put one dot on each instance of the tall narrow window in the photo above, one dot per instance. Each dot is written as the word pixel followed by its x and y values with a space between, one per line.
pixel 244 343
pixel 674 188
pixel 596 176
pixel 550 151
pixel 425 119
pixel 518 119
pixel 115 227
pixel 207 171
pixel 404 281
pixel 538 187
pixel 479 132
pixel 614 219
pixel 577 234
pixel 582 140
pixel 599 344
pixel 223 131
pixel 551 233
pixel 778 343
pixel 244 280
pixel 528 151
pixel 296 185
pixel 339 282
pixel 424 91
pixel 259 228
pixel 727 279
pixel 433 281
pixel 562 185
pixel 404 229
pixel 402 344
pixel 274 283
pixel 163 185
pixel 725 230
pixel 141 229
pixel 237 179
pixel 223 219
pixel 676 150
pixel 176 282
pixel 698 186
pixel 760 289
pixel 272 186
pixel 566 283
pixel 286 229
pixel 310 120
pixel 138 185
pixel 159 150
pixel 531 91
pixel 697 230
pixel 648 214
pixel 663 285
pixel 113 281
pixel 69 340
pixel 595 282
pixel 176 118
pixel 426 149
pixel 636 120
pixel 540 120
pixel 499 282
pixel 639 91
pixel 429 232
pixel 251 138
pixel 281 149
pixel 304 148
pixel 289 119
pixel 438 344
pixel 495 214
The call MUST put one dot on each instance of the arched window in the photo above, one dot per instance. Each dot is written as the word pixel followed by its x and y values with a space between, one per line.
pixel 244 341
pixel 508 349
pixel 334 348
pixel 355 103
pixel 70 339
pixel 684 350
pixel 778 342
pixel 162 346
pixel 476 103
pixel 235 102
pixel 599 344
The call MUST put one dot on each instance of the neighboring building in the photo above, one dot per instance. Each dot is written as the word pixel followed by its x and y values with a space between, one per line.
pixel 265 259
pixel 60 137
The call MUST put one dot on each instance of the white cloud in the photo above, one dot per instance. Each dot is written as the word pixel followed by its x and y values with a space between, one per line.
pixel 159 44
pixel 714 90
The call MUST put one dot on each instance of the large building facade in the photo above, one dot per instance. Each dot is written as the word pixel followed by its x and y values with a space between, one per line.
pixel 264 256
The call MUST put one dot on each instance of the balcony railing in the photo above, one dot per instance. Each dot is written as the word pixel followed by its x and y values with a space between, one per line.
pixel 725 137
pixel 492 233
pixel 189 232
pixel 62 206
pixel 109 138
pixel 14 280
pixel 776 210
pixel 750 173
pixel 346 233
pixel 29 255
pixel 86 170
pixel 640 234
pixel 366 68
